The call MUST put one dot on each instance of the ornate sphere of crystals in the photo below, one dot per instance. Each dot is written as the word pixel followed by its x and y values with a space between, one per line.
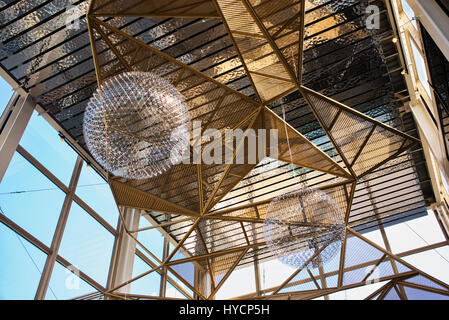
pixel 299 223
pixel 136 125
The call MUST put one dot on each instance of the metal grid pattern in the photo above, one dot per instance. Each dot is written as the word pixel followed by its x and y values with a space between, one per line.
pixel 66 101
pixel 209 102
pixel 265 68
pixel 362 143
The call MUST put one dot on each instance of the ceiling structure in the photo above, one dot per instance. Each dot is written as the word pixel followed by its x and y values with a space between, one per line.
pixel 239 63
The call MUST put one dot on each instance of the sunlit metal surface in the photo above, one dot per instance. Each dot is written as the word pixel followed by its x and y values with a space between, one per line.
pixel 342 59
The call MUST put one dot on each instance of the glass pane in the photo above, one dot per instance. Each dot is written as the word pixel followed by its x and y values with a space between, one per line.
pixel 409 12
pixel 433 262
pixel 87 244
pixel 270 279
pixel 419 232
pixel 20 268
pixel 172 292
pixel 5 94
pixel 152 239
pixel 240 282
pixel 30 199
pixel 184 270
pixel 416 294
pixel 421 68
pixel 148 285
pixel 358 293
pixel 65 285
pixel 42 141
pixel 95 191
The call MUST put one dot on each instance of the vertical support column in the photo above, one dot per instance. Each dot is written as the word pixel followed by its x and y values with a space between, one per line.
pixel 163 288
pixel 257 273
pixel 430 134
pixel 202 282
pixel 124 251
pixel 57 237
pixel 14 122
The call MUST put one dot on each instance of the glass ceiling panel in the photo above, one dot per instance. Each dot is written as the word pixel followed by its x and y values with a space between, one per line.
pixel 418 232
pixel 416 294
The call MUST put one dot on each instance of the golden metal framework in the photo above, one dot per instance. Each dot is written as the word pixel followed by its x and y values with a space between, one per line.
pixel 269 39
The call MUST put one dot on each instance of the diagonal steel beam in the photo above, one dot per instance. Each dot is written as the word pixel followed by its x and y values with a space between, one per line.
pixel 395 257
pixel 226 276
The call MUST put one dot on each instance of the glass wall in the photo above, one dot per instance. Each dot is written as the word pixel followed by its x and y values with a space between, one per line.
pixel 34 193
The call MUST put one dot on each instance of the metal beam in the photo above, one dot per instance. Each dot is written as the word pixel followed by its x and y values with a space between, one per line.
pixel 19 113
pixel 60 227
pixel 126 248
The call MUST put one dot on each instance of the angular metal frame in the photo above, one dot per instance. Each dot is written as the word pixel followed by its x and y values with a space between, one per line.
pixel 269 40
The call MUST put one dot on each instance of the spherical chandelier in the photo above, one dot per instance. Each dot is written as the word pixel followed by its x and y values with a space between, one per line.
pixel 136 125
pixel 299 223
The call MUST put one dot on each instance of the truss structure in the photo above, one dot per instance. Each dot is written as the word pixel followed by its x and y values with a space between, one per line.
pixel 269 39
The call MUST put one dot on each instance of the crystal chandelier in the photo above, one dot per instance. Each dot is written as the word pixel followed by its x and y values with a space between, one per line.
pixel 136 125
pixel 298 224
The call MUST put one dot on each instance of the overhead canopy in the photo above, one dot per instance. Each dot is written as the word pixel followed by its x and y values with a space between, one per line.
pixel 342 60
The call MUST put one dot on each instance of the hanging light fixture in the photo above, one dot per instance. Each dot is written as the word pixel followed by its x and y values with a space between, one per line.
pixel 136 125
pixel 298 224
pixel 303 224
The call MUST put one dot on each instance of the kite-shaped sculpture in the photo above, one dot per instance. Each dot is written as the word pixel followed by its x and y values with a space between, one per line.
pixel 268 37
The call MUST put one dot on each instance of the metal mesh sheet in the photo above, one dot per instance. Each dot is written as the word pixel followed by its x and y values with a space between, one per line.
pixel 282 20
pixel 363 142
pixel 208 102
pixel 269 75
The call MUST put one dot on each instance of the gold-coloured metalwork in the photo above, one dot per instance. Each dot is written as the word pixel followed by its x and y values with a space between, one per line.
pixel 363 143
pixel 269 39
pixel 260 57
pixel 210 102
